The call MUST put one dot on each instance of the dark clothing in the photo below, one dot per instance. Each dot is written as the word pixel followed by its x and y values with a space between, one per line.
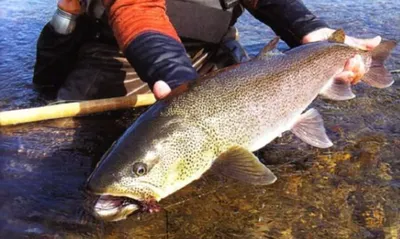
pixel 289 19
pixel 156 57
pixel 87 63
pixel 98 69
pixel 58 54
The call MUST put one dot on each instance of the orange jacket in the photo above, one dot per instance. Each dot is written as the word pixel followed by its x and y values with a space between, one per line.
pixel 130 18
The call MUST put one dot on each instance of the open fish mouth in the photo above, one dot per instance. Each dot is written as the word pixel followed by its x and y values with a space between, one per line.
pixel 111 208
pixel 115 208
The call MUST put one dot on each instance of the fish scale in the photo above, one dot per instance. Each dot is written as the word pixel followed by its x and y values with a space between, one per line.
pixel 218 121
pixel 280 94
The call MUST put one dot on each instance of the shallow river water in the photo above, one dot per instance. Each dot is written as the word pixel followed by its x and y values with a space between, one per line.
pixel 351 190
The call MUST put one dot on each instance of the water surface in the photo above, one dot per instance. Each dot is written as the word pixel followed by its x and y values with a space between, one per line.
pixel 351 190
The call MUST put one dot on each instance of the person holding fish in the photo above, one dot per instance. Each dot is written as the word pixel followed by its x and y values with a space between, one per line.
pixel 166 42
pixel 177 140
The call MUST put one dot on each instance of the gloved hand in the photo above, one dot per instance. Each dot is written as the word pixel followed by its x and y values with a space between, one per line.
pixel 161 61
pixel 150 43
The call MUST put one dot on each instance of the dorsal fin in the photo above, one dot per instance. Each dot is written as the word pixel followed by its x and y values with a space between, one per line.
pixel 338 36
pixel 267 50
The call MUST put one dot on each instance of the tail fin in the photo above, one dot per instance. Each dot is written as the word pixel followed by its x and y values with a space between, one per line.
pixel 377 75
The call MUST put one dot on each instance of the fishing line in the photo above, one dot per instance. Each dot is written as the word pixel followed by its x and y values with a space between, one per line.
pixel 198 196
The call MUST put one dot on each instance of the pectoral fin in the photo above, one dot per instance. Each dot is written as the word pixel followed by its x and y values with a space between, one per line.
pixel 338 90
pixel 241 164
pixel 310 128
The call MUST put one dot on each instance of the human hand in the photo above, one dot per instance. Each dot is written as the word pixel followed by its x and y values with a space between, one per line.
pixel 324 34
pixel 161 89
pixel 354 68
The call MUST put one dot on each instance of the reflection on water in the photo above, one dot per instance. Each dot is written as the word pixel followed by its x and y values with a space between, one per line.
pixel 351 190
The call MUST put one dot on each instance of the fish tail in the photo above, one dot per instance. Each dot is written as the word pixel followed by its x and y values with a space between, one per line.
pixel 377 75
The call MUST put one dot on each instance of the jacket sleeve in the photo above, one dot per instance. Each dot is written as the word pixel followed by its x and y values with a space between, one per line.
pixel 149 41
pixel 289 19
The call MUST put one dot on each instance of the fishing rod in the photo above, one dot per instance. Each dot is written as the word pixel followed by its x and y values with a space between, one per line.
pixel 74 109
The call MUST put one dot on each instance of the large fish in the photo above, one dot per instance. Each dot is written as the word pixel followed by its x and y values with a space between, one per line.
pixel 220 120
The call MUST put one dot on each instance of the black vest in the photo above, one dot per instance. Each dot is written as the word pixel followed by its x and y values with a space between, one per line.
pixel 204 20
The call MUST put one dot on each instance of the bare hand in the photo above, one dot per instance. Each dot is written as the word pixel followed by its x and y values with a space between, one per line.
pixel 161 89
pixel 324 33
pixel 354 68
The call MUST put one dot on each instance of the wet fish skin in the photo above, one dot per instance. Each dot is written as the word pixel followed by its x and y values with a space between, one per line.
pixel 227 115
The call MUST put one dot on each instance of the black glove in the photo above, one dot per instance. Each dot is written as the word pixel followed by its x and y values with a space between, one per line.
pixel 156 57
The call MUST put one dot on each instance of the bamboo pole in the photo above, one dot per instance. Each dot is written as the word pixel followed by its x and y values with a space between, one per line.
pixel 14 117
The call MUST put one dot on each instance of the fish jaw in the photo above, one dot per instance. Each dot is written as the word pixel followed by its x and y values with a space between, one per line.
pixel 116 206
pixel 110 208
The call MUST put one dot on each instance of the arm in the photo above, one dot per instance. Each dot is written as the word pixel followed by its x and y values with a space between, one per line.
pixel 150 42
pixel 289 19
pixel 295 24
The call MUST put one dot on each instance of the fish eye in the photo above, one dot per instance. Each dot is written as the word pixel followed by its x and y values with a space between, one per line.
pixel 140 169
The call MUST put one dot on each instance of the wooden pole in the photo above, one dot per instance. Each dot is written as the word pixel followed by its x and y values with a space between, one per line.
pixel 14 117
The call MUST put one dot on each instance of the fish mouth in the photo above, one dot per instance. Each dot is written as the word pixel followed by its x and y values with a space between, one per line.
pixel 115 208
pixel 114 205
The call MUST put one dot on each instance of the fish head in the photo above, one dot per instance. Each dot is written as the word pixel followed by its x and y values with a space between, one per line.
pixel 149 162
